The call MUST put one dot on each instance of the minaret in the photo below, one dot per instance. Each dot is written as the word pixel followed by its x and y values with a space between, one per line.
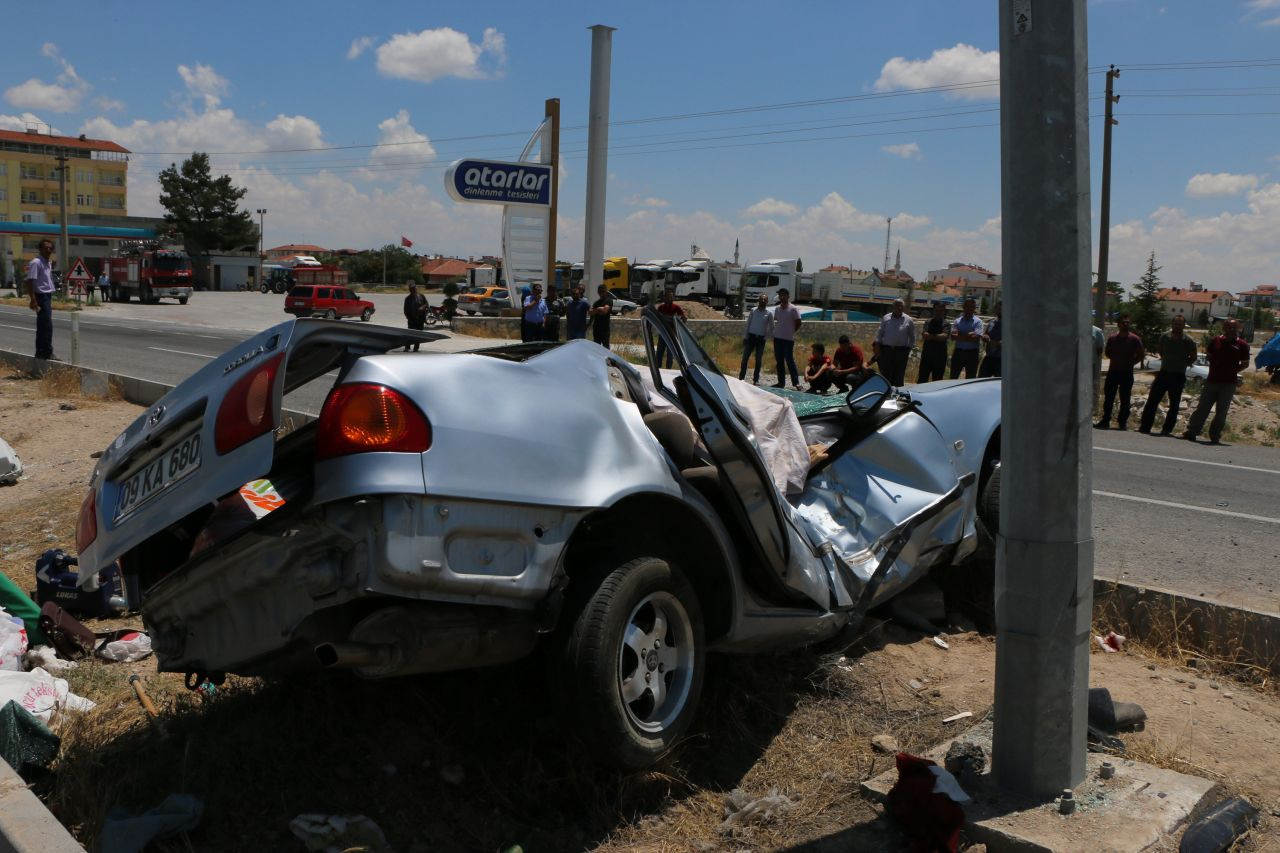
pixel 897 263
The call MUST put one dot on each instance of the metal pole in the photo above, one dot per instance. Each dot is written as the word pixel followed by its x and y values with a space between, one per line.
pixel 262 224
pixel 75 337
pixel 597 155
pixel 1044 551
pixel 1104 211
pixel 551 154
pixel 64 259
pixel 384 266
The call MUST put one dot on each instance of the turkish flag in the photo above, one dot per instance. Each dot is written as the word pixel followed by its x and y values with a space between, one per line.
pixel 406 242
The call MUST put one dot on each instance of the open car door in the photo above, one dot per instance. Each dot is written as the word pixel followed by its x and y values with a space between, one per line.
pixel 703 393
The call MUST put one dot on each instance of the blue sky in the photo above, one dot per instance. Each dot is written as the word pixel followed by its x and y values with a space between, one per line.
pixel 1199 187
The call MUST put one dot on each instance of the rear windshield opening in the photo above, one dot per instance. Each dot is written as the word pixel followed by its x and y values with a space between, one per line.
pixel 302 290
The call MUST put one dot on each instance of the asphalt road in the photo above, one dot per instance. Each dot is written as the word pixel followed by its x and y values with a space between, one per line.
pixel 1188 517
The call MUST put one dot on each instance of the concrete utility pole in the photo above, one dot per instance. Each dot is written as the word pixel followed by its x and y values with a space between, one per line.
pixel 597 155
pixel 1104 214
pixel 1044 553
pixel 551 154
pixel 64 245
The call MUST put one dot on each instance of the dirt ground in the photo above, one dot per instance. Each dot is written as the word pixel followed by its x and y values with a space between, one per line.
pixel 478 761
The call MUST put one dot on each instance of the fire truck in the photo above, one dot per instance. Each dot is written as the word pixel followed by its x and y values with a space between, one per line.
pixel 150 274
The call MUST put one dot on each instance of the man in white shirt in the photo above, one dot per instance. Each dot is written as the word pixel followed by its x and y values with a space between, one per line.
pixel 786 322
pixel 894 340
pixel 40 287
pixel 759 328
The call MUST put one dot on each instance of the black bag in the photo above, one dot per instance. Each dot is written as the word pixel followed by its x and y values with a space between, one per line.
pixel 69 638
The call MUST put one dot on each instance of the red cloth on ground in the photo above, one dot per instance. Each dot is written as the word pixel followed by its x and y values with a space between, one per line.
pixel 931 822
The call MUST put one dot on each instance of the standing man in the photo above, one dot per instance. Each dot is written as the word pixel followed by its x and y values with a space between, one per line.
pixel 1124 349
pixel 669 311
pixel 104 283
pixel 575 316
pixel 1228 355
pixel 967 333
pixel 759 328
pixel 601 311
pixel 933 350
pixel 1177 353
pixel 555 309
pixel 415 309
pixel 993 337
pixel 1099 344
pixel 786 322
pixel 892 346
pixel 847 368
pixel 40 287
pixel 533 317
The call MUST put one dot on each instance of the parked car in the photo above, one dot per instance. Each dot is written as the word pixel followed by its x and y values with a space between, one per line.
pixel 1199 370
pixel 492 306
pixel 332 303
pixel 469 300
pixel 623 306
pixel 643 519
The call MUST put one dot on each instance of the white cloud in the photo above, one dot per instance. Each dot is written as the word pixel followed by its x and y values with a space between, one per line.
pixel 400 144
pixel 646 201
pixel 22 122
pixel 292 132
pixel 946 66
pixel 766 208
pixel 431 54
pixel 359 46
pixel 64 96
pixel 1220 183
pixel 907 151
pixel 993 227
pixel 108 104
pixel 1263 7
pixel 205 83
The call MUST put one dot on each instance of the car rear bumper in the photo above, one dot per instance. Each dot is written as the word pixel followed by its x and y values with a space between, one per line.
pixel 268 597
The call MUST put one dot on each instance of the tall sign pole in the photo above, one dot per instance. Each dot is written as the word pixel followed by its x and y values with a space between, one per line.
pixel 552 156
pixel 597 155
pixel 1104 207
pixel 1044 552
pixel 64 250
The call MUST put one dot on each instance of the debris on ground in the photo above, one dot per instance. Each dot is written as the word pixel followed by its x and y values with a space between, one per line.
pixel 965 757
pixel 10 464
pixel 960 716
pixel 940 643
pixel 925 803
pixel 1112 642
pixel 46 657
pixel 124 646
pixel 740 809
pixel 1219 828
pixel 123 832
pixel 13 642
pixel 1110 716
pixel 885 743
pixel 40 693
pixel 338 833
pixel 26 743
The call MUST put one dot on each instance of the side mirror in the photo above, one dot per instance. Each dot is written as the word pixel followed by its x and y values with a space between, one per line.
pixel 868 397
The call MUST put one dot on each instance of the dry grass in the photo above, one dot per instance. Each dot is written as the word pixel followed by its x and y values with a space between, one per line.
pixel 62 382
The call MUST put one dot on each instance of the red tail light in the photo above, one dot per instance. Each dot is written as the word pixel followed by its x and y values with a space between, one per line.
pixel 246 412
pixel 87 525
pixel 365 418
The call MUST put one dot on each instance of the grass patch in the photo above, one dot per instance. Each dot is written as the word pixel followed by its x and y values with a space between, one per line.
pixel 63 382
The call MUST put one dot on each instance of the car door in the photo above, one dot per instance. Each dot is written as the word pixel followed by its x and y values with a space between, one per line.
pixel 703 393
pixel 350 306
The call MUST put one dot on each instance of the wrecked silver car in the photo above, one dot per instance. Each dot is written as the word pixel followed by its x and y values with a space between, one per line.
pixel 456 510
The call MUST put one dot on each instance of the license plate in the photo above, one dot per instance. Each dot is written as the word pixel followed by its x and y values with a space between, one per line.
pixel 172 466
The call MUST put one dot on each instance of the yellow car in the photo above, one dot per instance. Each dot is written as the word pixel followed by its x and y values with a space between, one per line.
pixel 469 299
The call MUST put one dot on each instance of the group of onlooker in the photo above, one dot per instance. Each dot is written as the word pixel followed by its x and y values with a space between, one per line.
pixel 540 316
pixel 1227 354
pixel 896 337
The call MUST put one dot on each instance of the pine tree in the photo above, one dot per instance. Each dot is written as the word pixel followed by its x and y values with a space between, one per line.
pixel 1146 311
pixel 205 210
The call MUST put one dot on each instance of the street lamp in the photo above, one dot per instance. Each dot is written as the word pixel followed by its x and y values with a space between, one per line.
pixel 262 213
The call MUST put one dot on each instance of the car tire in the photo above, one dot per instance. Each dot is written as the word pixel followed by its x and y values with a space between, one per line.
pixel 989 500
pixel 471 313
pixel 182 300
pixel 262 288
pixel 331 314
pixel 365 315
pixel 636 632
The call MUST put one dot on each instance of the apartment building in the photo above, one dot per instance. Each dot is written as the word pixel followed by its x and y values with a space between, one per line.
pixel 96 184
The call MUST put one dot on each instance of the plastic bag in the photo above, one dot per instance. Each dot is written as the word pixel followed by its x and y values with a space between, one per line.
pixel 125 646
pixel 40 693
pixel 13 642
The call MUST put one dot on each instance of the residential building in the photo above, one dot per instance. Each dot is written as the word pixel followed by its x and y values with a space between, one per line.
pixel 439 270
pixel 1262 296
pixel 96 183
pixel 1192 300
pixel 289 250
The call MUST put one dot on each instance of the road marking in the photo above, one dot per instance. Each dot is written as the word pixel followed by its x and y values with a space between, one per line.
pixel 1184 459
pixel 182 352
pixel 1243 515
pixel 23 328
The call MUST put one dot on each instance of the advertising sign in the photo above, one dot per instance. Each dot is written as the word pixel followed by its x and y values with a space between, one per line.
pixel 499 182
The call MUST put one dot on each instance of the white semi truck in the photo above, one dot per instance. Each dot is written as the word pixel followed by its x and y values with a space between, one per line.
pixel 648 280
pixel 770 276
pixel 703 280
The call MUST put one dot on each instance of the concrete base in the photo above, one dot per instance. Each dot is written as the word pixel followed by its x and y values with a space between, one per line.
pixel 1133 811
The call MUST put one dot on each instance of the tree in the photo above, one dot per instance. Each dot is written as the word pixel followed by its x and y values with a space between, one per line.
pixel 1202 319
pixel 367 266
pixel 1146 313
pixel 204 210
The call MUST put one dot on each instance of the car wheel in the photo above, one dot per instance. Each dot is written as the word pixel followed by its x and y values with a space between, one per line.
pixel 182 300
pixel 262 288
pixel 331 314
pixel 366 314
pixel 471 313
pixel 989 500
pixel 633 661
